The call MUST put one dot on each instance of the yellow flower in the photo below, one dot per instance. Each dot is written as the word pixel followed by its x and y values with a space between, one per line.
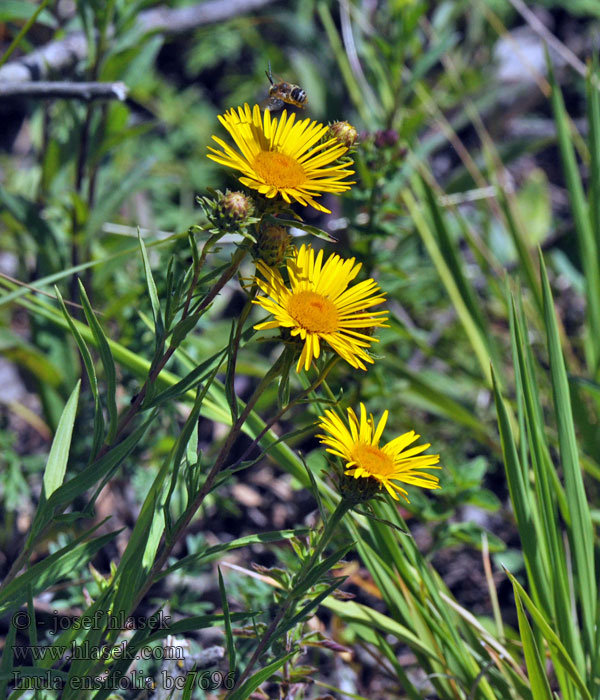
pixel 321 306
pixel 358 445
pixel 279 156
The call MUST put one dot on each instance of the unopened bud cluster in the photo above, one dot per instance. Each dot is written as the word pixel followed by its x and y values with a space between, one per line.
pixel 234 207
pixel 231 212
pixel 273 242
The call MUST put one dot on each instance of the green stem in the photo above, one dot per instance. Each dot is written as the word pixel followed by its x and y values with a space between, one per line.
pixel 330 527
pixel 186 518
pixel 300 397
pixel 341 509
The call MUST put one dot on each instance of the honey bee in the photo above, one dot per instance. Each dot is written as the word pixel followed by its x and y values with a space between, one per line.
pixel 283 92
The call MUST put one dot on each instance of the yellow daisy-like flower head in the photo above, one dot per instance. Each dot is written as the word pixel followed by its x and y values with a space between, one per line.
pixel 321 305
pixel 357 443
pixel 279 156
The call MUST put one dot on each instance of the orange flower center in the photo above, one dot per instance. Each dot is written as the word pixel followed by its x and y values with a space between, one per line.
pixel 313 312
pixel 279 170
pixel 371 458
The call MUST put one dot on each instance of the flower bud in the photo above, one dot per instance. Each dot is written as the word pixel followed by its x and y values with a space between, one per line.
pixel 273 242
pixel 236 205
pixel 344 132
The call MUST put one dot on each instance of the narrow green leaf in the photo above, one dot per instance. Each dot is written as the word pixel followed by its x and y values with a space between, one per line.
pixel 535 668
pixel 315 491
pixel 183 327
pixel 523 252
pixel 159 327
pixel 552 639
pixel 593 108
pixel 588 248
pixel 199 622
pixel 197 375
pixel 53 568
pixel 211 552
pixel 353 613
pixel 312 577
pixel 365 109
pixel 6 664
pixel 56 466
pixel 451 257
pixel 471 327
pixel 232 398
pixel 228 630
pixel 188 688
pixel 307 228
pixel 96 472
pixel 548 492
pixel 520 496
pixel 252 683
pixel 91 373
pixel 304 613
pixel 26 27
pixel 107 362
pixel 20 10
pixel 580 530
pixel 33 636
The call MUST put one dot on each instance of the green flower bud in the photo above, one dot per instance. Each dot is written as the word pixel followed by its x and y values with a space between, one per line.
pixel 272 245
pixel 235 206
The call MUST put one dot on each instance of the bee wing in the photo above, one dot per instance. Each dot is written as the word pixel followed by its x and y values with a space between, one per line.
pixel 273 104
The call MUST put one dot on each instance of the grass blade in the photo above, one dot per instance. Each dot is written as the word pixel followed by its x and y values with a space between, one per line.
pixel 593 105
pixel 537 676
pixel 471 327
pixel 588 248
pixel 561 655
pixel 548 492
pixel 107 362
pixel 227 618
pixel 525 514
pixel 580 529
pixel 91 373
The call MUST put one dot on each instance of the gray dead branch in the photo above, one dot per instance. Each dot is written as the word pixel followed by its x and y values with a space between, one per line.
pixel 54 88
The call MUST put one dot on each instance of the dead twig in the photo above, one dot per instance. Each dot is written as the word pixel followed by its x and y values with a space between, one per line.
pixel 553 41
pixel 54 88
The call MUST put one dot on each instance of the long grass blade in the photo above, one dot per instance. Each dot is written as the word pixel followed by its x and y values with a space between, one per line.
pixel 588 245
pixel 527 521
pixel 470 325
pixel 580 529
pixel 107 362
pixel 540 687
